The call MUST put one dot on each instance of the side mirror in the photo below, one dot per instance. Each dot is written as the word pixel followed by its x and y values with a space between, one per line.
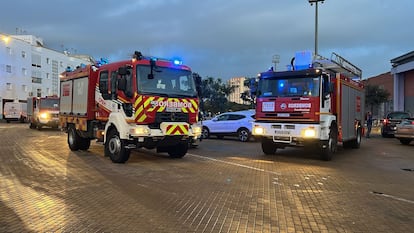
pixel 122 71
pixel 152 67
pixel 122 84
pixel 197 80
pixel 253 87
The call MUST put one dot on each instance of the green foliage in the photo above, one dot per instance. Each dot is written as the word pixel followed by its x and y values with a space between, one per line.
pixel 215 93
pixel 374 96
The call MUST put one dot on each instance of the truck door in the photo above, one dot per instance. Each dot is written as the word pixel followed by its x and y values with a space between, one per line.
pixel 326 94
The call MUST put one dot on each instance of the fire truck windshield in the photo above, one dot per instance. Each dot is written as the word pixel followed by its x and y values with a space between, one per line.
pixel 49 103
pixel 167 81
pixel 288 87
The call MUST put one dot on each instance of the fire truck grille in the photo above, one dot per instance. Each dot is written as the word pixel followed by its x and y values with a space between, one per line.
pixel 169 117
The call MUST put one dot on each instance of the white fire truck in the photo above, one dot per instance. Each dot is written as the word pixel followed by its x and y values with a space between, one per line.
pixel 319 102
pixel 143 102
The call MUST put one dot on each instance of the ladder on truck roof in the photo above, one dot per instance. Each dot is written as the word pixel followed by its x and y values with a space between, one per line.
pixel 338 64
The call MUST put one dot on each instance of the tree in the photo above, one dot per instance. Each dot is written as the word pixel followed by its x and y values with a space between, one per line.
pixel 215 93
pixel 374 96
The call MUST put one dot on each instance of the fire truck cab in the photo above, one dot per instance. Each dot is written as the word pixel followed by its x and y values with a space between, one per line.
pixel 319 102
pixel 143 102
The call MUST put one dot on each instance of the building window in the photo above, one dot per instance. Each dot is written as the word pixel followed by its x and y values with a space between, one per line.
pixel 61 64
pixel 47 76
pixel 39 93
pixel 9 86
pixel 24 88
pixel 9 51
pixel 36 76
pixel 36 60
pixel 47 61
pixel 8 68
pixel 24 71
pixel 23 54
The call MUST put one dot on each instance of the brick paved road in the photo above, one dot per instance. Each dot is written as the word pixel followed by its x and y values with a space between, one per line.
pixel 222 186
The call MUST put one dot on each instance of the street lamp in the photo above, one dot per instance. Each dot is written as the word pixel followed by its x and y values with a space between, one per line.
pixel 316 22
pixel 275 60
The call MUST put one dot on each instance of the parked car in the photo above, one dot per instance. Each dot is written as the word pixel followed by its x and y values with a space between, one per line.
pixel 389 124
pixel 230 124
pixel 405 131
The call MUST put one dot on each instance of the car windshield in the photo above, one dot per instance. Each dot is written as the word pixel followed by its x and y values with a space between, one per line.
pixel 287 87
pixel 166 82
pixel 49 103
pixel 398 115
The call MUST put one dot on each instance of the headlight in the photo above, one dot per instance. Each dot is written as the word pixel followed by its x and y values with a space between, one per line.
pixel 139 131
pixel 196 130
pixel 44 115
pixel 309 133
pixel 257 130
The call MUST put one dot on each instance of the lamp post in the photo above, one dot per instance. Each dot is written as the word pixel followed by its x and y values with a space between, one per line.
pixel 316 22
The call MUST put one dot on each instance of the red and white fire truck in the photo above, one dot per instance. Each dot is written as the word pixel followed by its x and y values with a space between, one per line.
pixel 43 111
pixel 318 102
pixel 143 102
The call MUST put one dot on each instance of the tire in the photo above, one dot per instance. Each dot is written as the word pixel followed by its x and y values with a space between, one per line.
pixel 32 126
pixel 74 140
pixel 405 141
pixel 85 144
pixel 268 146
pixel 178 151
pixel 356 143
pixel 205 133
pixel 331 145
pixel 243 135
pixel 115 147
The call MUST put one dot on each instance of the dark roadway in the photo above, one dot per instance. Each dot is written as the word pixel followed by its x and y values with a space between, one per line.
pixel 221 186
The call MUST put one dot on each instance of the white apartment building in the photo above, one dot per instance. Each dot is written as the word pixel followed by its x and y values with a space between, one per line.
pixel 239 88
pixel 29 69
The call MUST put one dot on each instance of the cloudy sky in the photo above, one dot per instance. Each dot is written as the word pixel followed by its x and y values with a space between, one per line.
pixel 219 38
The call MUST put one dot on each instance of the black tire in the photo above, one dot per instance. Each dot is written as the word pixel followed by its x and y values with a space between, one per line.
pixel 32 126
pixel 356 143
pixel 331 145
pixel 85 144
pixel 243 135
pixel 178 151
pixel 74 140
pixel 405 141
pixel 115 147
pixel 205 133
pixel 268 146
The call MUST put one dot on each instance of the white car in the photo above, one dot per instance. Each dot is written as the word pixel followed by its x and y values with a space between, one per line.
pixel 230 124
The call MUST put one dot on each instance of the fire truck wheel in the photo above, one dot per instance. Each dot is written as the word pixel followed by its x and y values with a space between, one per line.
pixel 115 147
pixel 73 139
pixel 178 151
pixel 329 148
pixel 85 143
pixel 243 134
pixel 356 143
pixel 268 146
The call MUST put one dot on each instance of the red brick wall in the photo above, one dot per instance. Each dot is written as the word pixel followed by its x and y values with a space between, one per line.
pixel 409 83
pixel 385 81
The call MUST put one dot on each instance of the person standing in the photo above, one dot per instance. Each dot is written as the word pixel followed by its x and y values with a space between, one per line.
pixel 369 123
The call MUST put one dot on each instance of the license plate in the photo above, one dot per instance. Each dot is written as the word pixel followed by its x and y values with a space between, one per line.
pixel 282 132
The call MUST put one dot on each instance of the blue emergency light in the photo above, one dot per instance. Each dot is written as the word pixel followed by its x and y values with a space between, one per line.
pixel 177 62
pixel 303 60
